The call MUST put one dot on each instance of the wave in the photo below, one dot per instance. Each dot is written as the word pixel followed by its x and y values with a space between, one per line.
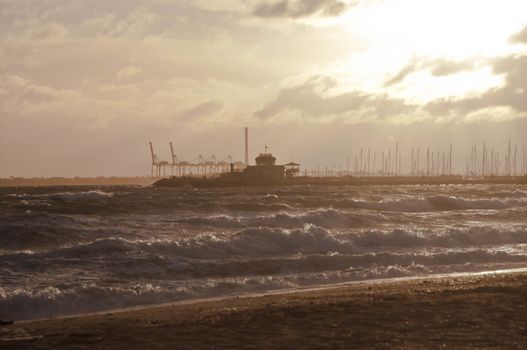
pixel 108 247
pixel 40 230
pixel 75 298
pixel 434 203
pixel 31 303
pixel 250 242
pixel 257 242
pixel 23 304
pixel 92 195
pixel 327 218
pixel 153 200
pixel 496 192
pixel 450 238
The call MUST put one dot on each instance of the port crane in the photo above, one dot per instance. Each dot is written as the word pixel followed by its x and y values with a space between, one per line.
pixel 198 166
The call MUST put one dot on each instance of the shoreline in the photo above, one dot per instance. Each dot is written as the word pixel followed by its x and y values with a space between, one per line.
pixel 403 312
pixel 218 182
pixel 17 182
pixel 285 291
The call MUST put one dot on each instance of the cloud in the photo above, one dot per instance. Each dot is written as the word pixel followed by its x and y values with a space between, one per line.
pixel 443 67
pixel 403 73
pixel 299 8
pixel 39 94
pixel 120 91
pixel 129 72
pixel 22 90
pixel 50 32
pixel 102 23
pixel 520 37
pixel 512 95
pixel 22 97
pixel 137 22
pixel 312 99
pixel 201 110
pixel 438 67
pixel 13 80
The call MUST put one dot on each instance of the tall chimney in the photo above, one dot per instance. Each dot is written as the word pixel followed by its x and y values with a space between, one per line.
pixel 246 146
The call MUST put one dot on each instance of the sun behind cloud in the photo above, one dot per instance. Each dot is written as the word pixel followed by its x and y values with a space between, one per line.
pixel 197 66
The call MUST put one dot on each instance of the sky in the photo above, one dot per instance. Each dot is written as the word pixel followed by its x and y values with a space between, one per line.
pixel 85 85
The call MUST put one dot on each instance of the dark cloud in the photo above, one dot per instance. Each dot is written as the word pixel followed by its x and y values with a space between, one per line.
pixel 520 37
pixel 442 67
pixel 299 8
pixel 403 73
pixel 201 110
pixel 308 99
pixel 438 67
pixel 513 94
pixel 37 94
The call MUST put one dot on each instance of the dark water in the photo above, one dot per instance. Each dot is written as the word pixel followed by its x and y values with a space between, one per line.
pixel 82 249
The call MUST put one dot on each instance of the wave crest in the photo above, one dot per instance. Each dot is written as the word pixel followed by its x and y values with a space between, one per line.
pixel 435 203
pixel 92 195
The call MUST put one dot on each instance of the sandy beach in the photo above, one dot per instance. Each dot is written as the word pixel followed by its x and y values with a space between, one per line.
pixel 475 311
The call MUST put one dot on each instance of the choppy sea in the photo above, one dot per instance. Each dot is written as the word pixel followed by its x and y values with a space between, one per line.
pixel 72 250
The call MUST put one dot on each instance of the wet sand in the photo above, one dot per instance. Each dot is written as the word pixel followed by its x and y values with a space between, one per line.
pixel 477 311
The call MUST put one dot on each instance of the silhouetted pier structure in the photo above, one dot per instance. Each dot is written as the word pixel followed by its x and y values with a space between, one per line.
pixel 416 161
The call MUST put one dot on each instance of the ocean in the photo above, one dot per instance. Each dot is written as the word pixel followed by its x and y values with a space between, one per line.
pixel 74 250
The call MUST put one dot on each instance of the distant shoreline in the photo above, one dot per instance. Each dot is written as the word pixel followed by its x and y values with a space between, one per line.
pixel 339 181
pixel 77 181
pixel 216 182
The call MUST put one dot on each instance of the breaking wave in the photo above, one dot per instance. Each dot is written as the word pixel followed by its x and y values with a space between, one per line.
pixel 222 280
pixel 67 250
pixel 67 196
pixel 257 242
pixel 327 218
pixel 436 203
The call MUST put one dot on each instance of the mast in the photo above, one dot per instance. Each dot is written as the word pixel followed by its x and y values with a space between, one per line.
pixel 396 158
pixel 246 146
pixel 450 162
pixel 153 159
pixel 173 157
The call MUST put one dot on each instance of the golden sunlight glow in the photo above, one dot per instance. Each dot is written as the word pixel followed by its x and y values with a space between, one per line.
pixel 422 87
pixel 397 32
